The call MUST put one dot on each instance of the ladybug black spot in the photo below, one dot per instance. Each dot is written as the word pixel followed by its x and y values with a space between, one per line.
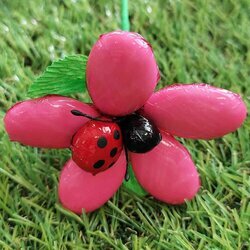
pixel 111 164
pixel 113 152
pixel 102 142
pixel 116 135
pixel 99 164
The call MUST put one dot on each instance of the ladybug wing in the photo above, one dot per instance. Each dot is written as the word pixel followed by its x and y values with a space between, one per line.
pixel 197 111
pixel 96 147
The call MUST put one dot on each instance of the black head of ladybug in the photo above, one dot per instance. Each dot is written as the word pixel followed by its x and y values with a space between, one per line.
pixel 140 135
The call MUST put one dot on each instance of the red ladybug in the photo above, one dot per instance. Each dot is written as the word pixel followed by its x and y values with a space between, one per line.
pixel 97 145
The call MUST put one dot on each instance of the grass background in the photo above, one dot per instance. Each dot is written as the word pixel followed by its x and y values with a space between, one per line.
pixel 194 41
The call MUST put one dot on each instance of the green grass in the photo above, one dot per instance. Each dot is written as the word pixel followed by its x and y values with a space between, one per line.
pixel 194 41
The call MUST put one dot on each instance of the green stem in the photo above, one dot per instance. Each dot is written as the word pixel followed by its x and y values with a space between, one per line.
pixel 124 15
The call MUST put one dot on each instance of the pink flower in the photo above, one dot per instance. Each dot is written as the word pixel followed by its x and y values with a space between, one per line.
pixel 121 76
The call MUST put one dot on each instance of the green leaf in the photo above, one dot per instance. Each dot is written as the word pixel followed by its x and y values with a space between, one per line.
pixel 65 76
pixel 133 185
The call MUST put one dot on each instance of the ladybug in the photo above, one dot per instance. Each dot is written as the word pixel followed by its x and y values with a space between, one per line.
pixel 98 144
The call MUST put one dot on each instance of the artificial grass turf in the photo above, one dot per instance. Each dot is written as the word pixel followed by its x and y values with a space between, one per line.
pixel 193 41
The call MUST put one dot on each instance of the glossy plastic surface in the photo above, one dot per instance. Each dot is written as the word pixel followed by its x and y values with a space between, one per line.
pixel 80 190
pixel 139 134
pixel 121 72
pixel 97 146
pixel 197 111
pixel 167 172
pixel 46 122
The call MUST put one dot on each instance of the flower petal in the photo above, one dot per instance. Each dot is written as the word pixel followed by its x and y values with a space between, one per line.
pixel 121 72
pixel 197 111
pixel 80 190
pixel 167 172
pixel 46 122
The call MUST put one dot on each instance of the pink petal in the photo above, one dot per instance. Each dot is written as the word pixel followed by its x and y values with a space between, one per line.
pixel 80 190
pixel 121 72
pixel 167 172
pixel 46 122
pixel 197 111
